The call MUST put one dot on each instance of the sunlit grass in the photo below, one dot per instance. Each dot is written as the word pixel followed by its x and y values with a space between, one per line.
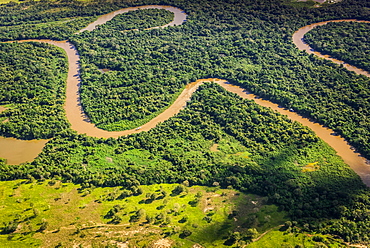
pixel 79 216
pixel 285 239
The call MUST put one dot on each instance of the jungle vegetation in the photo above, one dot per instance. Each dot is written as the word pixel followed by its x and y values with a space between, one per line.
pixel 345 41
pixel 252 48
pixel 257 150
pixel 32 80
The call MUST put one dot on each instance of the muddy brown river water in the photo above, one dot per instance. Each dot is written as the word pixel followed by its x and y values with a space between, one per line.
pixel 299 42
pixel 20 151
pixel 179 16
pixel 17 151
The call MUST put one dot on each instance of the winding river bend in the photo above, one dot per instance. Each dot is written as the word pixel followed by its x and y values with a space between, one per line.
pixel 80 122
pixel 299 42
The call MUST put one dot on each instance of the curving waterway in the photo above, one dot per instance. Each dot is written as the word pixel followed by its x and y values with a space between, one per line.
pixel 80 122
pixel 179 16
pixel 298 40
pixel 20 151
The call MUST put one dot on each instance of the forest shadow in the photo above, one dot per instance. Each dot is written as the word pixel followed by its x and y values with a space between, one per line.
pixel 285 193
pixel 316 193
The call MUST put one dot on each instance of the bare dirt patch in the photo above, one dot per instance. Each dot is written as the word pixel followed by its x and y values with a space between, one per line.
pixel 2 108
pixel 311 167
pixel 207 203
pixel 197 246
pixel 162 243
pixel 214 148
pixel 119 244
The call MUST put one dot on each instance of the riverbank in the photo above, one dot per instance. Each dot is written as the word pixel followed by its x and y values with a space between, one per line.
pixel 80 122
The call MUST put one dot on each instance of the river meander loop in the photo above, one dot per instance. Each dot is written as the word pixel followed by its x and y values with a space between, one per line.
pixel 80 122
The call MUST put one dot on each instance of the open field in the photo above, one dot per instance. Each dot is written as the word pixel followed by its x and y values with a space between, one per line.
pixel 56 214
pixel 53 213
pixel 295 239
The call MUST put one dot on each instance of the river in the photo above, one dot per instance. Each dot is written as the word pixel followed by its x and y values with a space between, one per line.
pixel 299 42
pixel 20 151
pixel 80 122
pixel 17 151
pixel 179 16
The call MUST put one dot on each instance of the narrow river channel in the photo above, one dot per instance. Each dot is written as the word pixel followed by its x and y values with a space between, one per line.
pixel 80 122
pixel 298 40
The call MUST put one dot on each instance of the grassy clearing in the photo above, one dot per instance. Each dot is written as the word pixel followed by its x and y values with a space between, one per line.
pixel 53 213
pixel 97 157
pixel 230 147
pixel 55 10
pixel 7 1
pixel 311 167
pixel 285 239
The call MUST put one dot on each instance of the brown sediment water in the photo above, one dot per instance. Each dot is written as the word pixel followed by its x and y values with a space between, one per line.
pixel 74 112
pixel 72 106
pixel 81 123
pixel 298 40
pixel 17 151
pixel 358 163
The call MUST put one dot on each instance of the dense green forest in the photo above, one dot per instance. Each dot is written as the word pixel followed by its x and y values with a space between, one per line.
pixel 248 48
pixel 345 41
pixel 131 99
pixel 259 151
pixel 57 30
pixel 138 20
pixel 218 139
pixel 32 78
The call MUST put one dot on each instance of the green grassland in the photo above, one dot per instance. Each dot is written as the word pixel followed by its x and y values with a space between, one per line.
pixel 295 239
pixel 94 158
pixel 7 1
pixel 291 169
pixel 56 214
pixel 83 216
pixel 301 4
